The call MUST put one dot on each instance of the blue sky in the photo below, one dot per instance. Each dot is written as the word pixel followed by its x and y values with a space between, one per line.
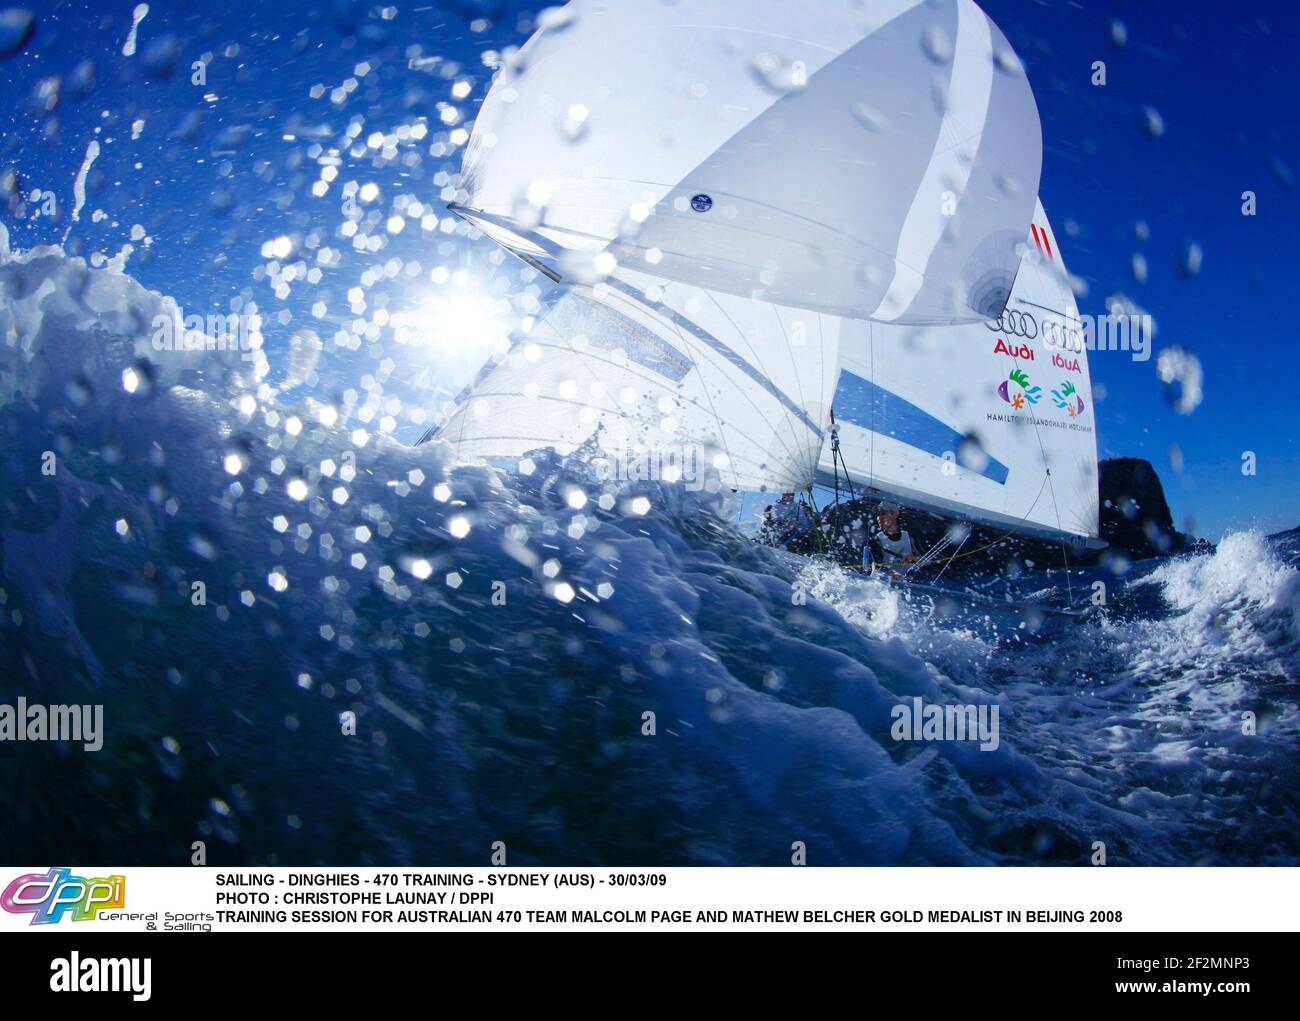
pixel 212 176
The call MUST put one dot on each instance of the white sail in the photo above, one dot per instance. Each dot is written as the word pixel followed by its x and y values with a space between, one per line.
pixel 665 381
pixel 968 421
pixel 874 160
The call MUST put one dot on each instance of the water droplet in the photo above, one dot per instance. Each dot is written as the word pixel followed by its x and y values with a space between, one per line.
pixel 1139 267
pixel 15 29
pixel 780 75
pixel 168 757
pixel 971 454
pixel 936 44
pixel 1150 121
pixel 1282 172
pixel 1181 379
pixel 1006 60
pixel 870 117
pixel 552 19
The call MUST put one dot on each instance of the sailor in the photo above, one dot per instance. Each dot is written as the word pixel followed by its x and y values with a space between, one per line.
pixel 791 522
pixel 891 546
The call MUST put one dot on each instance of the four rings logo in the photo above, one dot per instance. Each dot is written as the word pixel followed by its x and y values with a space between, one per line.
pixel 1015 323
pixel 1018 323
pixel 47 898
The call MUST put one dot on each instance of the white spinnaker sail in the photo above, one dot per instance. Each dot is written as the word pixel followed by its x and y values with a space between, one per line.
pixel 664 378
pixel 874 160
pixel 966 421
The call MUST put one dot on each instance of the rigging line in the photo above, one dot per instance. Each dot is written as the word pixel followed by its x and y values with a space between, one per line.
pixel 936 549
pixel 871 355
pixel 1014 528
pixel 613 410
pixel 821 347
pixel 833 426
pixel 665 311
pixel 1069 589
pixel 1033 420
pixel 817 532
pixel 969 532
pixel 933 551
pixel 583 358
pixel 792 455
pixel 1048 308
pixel 689 339
pixel 789 349
pixel 541 442
pixel 798 376
pixel 754 358
pixel 687 329
pixel 628 328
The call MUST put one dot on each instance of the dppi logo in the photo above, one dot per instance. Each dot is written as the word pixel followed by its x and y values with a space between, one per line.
pixel 1068 364
pixel 1024 352
pixel 47 898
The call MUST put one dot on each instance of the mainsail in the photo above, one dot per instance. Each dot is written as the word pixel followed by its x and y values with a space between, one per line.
pixel 993 422
pixel 872 160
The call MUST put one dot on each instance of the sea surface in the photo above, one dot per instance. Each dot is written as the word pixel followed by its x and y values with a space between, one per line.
pixel 315 644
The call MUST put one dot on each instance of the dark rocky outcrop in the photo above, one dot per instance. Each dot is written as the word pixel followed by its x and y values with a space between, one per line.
pixel 1135 516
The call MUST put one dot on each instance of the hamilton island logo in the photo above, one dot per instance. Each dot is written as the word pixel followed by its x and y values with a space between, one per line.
pixel 47 898
pixel 1015 390
pixel 1068 399
pixel 701 203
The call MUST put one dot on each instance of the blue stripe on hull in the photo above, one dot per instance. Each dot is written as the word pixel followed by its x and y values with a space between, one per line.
pixel 861 402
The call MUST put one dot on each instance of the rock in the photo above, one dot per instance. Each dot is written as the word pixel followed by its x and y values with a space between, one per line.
pixel 1135 516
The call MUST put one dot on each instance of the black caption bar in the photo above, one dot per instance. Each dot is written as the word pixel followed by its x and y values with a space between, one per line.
pixel 335 971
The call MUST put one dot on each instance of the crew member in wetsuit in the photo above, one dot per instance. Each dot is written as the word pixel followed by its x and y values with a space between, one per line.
pixel 789 525
pixel 891 546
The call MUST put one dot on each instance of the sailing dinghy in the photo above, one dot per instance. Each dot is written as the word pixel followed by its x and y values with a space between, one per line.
pixel 773 228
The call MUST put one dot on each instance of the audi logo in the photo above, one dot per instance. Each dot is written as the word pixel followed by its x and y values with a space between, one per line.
pixel 1015 324
pixel 1058 334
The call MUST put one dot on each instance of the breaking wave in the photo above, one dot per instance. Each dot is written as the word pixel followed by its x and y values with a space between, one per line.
pixel 587 673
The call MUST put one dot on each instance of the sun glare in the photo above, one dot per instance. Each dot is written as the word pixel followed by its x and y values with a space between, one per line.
pixel 463 322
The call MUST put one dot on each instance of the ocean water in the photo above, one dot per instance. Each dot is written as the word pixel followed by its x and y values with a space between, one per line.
pixel 499 638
